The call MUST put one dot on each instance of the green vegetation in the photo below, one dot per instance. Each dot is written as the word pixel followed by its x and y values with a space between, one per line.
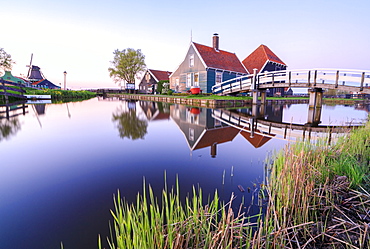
pixel 146 224
pixel 316 195
pixel 61 94
pixel 162 86
pixel 317 198
pixel 6 61
pixel 126 64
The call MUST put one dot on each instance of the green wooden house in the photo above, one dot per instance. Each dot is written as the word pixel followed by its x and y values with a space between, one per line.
pixel 204 67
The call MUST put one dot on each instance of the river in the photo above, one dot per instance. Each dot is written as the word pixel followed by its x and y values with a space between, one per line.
pixel 61 164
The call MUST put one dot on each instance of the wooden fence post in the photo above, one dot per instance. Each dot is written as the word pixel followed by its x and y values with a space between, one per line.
pixel 336 79
pixel 362 81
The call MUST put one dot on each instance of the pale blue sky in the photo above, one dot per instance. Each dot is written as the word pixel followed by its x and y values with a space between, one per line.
pixel 80 36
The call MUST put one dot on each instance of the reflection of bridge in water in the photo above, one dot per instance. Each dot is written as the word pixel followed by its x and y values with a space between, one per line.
pixel 12 110
pixel 258 126
pixel 204 127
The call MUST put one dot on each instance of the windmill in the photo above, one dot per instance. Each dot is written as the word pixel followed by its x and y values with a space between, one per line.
pixel 34 74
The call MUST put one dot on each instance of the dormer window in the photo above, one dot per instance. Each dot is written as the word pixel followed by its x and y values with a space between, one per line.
pixel 191 60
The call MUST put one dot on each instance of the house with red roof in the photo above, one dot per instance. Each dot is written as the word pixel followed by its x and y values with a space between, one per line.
pixel 150 80
pixel 264 60
pixel 206 66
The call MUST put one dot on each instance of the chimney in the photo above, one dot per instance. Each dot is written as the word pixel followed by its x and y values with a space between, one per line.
pixel 215 41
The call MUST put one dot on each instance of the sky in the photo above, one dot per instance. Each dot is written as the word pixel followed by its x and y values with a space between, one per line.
pixel 79 36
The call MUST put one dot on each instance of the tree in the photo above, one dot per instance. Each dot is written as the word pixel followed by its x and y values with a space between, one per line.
pixel 126 65
pixel 6 62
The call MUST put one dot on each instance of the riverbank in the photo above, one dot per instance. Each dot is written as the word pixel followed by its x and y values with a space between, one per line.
pixel 215 101
pixel 57 94
pixel 317 196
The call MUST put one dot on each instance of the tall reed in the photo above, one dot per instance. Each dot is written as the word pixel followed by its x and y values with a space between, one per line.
pixel 315 200
pixel 308 184
pixel 147 224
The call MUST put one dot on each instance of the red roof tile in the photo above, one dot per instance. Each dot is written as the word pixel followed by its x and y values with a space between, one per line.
pixel 218 135
pixel 160 75
pixel 258 58
pixel 220 59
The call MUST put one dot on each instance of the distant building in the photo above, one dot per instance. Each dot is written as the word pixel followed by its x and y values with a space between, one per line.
pixel 38 80
pixel 264 60
pixel 150 80
pixel 288 91
pixel 9 77
pixel 44 83
pixel 204 67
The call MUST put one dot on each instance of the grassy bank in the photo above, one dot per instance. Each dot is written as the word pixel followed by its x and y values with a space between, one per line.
pixel 318 195
pixel 61 94
pixel 317 198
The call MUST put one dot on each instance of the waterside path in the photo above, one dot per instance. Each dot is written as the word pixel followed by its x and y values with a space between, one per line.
pixel 219 103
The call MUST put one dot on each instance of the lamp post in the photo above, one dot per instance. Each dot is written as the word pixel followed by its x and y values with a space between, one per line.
pixel 65 76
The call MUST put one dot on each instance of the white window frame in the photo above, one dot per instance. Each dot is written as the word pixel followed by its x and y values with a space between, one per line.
pixel 218 77
pixel 196 79
pixel 191 134
pixel 191 60
pixel 189 80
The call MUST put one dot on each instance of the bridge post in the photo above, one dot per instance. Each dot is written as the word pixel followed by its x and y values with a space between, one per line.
pixel 263 97
pixel 315 97
pixel 315 107
pixel 254 82
pixel 255 97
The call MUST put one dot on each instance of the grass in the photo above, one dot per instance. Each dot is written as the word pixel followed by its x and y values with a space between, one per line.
pixel 146 224
pixel 61 94
pixel 308 190
pixel 317 198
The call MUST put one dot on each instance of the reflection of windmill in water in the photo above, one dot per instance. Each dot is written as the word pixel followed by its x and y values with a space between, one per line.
pixel 37 78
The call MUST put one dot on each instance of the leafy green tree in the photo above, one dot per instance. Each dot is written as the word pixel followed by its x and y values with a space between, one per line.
pixel 126 64
pixel 161 85
pixel 129 125
pixel 6 62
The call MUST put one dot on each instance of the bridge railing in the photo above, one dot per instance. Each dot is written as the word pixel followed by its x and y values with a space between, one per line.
pixel 298 78
pixel 315 77
pixel 233 85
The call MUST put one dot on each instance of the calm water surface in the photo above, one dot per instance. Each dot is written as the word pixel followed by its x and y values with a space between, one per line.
pixel 62 163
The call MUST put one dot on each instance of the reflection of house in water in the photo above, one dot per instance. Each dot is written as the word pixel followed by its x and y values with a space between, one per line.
pixel 363 107
pixel 200 129
pixel 274 113
pixel 155 110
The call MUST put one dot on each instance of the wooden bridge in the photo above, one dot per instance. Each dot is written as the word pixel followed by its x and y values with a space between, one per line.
pixel 341 79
